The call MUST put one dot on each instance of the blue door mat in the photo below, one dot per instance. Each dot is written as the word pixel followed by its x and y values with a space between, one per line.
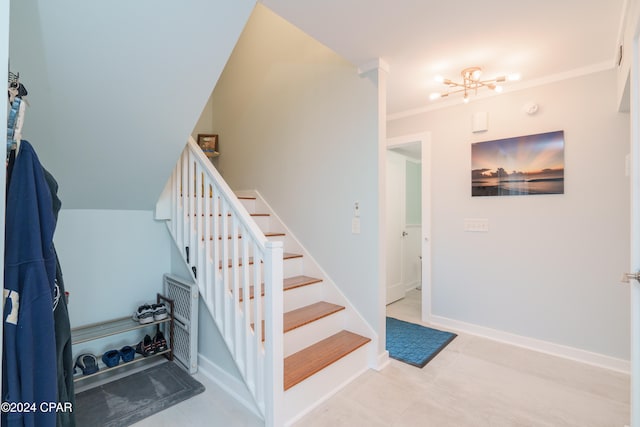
pixel 415 344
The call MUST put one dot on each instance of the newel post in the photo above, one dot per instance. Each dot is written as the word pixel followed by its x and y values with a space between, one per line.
pixel 274 346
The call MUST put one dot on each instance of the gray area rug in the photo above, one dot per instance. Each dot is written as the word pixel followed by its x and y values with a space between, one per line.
pixel 128 400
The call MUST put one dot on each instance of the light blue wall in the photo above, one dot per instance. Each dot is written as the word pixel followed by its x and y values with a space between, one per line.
pixel 116 88
pixel 112 261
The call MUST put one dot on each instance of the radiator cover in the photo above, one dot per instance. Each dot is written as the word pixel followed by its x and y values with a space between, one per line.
pixel 185 310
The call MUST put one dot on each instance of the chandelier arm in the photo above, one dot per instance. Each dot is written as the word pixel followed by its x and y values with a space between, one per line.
pixel 462 89
pixel 471 83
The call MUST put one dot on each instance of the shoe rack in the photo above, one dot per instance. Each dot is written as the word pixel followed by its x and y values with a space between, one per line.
pixel 96 331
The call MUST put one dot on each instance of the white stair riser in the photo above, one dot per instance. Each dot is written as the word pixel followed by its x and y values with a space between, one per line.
pixel 313 332
pixel 230 246
pixel 249 205
pixel 310 393
pixel 261 221
pixel 302 296
pixel 293 267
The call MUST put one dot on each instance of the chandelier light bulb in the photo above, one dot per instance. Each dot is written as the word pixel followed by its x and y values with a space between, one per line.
pixel 434 96
pixel 439 79
pixel 513 77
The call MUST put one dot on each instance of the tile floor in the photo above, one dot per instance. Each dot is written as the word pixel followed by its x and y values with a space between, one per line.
pixel 473 382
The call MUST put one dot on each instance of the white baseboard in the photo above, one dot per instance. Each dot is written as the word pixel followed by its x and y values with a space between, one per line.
pixel 230 384
pixel 584 356
pixel 382 361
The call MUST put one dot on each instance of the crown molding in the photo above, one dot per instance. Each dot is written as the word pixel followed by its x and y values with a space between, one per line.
pixel 512 87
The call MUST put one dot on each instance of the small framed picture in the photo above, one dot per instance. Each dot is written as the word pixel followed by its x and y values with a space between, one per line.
pixel 209 144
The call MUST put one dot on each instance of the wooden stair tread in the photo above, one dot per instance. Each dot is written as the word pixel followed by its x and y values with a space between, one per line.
pixel 246 198
pixel 266 234
pixel 310 313
pixel 289 283
pixel 299 281
pixel 229 214
pixel 285 256
pixel 303 316
pixel 251 292
pixel 301 365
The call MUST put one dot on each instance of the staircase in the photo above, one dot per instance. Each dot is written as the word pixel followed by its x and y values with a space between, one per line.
pixel 311 341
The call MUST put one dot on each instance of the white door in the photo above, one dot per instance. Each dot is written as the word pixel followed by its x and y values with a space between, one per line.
pixel 395 226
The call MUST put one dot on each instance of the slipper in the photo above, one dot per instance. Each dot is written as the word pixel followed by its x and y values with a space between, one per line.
pixel 88 363
pixel 111 358
pixel 127 353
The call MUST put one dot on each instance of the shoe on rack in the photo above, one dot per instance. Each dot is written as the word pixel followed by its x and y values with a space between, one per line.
pixel 145 347
pixel 159 343
pixel 111 358
pixel 159 311
pixel 127 353
pixel 144 314
pixel 88 363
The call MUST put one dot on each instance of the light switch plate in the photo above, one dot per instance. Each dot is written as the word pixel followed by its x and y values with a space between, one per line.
pixel 477 225
pixel 355 225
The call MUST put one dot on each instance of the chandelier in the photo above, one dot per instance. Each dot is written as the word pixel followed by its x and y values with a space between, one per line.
pixel 471 83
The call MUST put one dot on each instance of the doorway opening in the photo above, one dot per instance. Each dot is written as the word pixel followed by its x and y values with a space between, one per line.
pixel 408 226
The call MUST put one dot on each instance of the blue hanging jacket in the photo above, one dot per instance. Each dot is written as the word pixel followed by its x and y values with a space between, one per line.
pixel 29 353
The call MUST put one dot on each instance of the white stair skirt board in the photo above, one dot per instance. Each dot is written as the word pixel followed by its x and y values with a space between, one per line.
pixel 233 386
pixel 309 394
pixel 576 354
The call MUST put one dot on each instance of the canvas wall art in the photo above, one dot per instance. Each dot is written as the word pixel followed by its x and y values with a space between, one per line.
pixel 531 164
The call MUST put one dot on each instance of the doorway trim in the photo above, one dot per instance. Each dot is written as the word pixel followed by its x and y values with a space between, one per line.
pixel 425 148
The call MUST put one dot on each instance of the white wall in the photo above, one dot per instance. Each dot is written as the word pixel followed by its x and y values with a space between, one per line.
pixel 549 266
pixel 117 84
pixel 205 122
pixel 112 261
pixel 297 123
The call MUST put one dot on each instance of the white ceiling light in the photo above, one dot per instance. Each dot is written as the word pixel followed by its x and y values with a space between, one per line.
pixel 471 83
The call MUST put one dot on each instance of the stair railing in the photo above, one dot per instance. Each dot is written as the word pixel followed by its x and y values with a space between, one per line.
pixel 228 255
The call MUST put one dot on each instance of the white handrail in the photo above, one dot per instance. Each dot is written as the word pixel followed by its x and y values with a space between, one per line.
pixel 227 254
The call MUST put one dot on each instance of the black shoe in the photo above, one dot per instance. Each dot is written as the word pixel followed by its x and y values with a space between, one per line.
pixel 145 347
pixel 159 343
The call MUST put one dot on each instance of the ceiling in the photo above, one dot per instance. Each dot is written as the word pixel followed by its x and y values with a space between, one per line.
pixel 419 39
